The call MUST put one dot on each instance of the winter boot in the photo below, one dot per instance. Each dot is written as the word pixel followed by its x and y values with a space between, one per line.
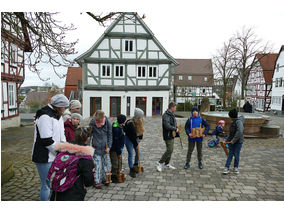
pixel 132 173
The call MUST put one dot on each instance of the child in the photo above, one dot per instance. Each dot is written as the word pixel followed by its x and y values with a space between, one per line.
pixel 217 131
pixel 192 128
pixel 102 142
pixel 235 141
pixel 85 166
pixel 117 146
pixel 70 125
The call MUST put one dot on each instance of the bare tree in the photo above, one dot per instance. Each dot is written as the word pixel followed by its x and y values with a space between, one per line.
pixel 246 45
pixel 45 37
pixel 223 61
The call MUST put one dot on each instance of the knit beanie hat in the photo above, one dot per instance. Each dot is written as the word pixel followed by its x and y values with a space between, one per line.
pixel 121 119
pixel 195 108
pixel 233 113
pixel 59 100
pixel 75 104
pixel 76 115
pixel 138 113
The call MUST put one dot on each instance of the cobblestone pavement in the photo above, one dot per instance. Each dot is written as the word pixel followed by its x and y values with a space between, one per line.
pixel 261 171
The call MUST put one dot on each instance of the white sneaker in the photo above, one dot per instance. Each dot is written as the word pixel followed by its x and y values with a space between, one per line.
pixel 226 171
pixel 236 170
pixel 169 166
pixel 159 167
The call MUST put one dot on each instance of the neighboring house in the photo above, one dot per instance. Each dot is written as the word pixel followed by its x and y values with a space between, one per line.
pixel 277 104
pixel 13 46
pixel 259 83
pixel 193 80
pixel 39 98
pixel 73 83
pixel 126 68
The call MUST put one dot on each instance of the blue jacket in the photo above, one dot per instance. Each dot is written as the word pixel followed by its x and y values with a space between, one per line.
pixel 118 138
pixel 196 122
pixel 218 130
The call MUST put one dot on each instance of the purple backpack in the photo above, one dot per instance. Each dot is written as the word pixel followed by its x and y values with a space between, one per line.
pixel 63 172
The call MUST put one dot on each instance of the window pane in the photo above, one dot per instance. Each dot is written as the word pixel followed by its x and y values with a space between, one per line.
pixel 155 72
pixel 150 71
pixel 130 45
pixel 117 71
pixel 104 70
pixel 143 71
pixel 126 45
pixel 139 71
pixel 121 71
pixel 108 70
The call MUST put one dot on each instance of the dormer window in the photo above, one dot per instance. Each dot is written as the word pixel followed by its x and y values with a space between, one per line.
pixel 180 77
pixel 189 78
pixel 128 45
pixel 205 79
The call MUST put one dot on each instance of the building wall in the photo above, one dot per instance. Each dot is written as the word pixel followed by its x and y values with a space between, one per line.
pixel 105 100
pixel 11 122
pixel 277 90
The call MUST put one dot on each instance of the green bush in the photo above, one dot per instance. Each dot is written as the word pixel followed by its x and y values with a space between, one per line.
pixel 187 106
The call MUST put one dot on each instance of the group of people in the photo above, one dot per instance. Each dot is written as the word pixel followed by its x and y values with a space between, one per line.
pixel 58 130
pixel 196 128
pixel 70 156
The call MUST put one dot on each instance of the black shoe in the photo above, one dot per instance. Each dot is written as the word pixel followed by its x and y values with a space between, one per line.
pixel 132 173
pixel 200 165
pixel 114 179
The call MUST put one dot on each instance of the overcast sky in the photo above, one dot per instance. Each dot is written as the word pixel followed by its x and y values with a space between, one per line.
pixel 186 29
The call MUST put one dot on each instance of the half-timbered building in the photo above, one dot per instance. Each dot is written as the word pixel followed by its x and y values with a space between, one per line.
pixel 13 46
pixel 277 104
pixel 259 83
pixel 193 80
pixel 126 68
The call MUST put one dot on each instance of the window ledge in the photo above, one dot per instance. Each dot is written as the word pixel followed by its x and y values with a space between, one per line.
pixel 13 109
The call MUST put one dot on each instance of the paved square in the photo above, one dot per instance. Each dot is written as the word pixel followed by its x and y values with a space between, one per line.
pixel 261 171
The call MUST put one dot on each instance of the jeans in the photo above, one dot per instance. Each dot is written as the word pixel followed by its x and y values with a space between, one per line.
pixel 101 160
pixel 130 147
pixel 167 155
pixel 234 150
pixel 42 169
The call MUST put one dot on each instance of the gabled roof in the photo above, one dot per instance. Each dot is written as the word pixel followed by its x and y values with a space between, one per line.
pixel 267 64
pixel 194 67
pixel 73 75
pixel 80 58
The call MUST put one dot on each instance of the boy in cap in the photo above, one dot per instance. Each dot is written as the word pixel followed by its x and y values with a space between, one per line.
pixel 193 124
pixel 49 130
pixel 70 126
pixel 74 107
pixel 118 140
pixel 235 140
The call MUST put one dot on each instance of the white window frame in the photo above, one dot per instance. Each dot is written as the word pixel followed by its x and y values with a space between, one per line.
pixel 121 70
pixel 126 48
pixel 205 79
pixel 12 95
pixel 141 76
pixel 189 78
pixel 180 77
pixel 106 76
pixel 151 70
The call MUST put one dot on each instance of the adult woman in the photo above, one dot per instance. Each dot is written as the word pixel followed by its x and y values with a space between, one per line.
pixel 49 130
pixel 134 130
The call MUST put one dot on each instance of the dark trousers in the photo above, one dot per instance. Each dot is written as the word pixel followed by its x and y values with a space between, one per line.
pixel 234 150
pixel 114 163
pixel 191 145
pixel 168 154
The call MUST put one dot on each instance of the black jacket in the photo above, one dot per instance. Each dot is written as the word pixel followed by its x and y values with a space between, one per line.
pixel 130 132
pixel 169 125
pixel 118 138
pixel 236 132
pixel 86 177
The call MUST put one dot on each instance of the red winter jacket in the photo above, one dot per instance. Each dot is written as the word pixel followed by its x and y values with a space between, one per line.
pixel 69 130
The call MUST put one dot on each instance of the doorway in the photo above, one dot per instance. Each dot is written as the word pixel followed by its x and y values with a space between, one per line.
pixel 157 103
pixel 95 105
pixel 141 103
pixel 115 109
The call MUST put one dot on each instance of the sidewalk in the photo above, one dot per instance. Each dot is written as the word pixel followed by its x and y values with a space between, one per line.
pixel 261 171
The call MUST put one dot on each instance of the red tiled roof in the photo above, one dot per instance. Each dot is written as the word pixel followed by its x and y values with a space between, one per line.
pixel 267 63
pixel 73 75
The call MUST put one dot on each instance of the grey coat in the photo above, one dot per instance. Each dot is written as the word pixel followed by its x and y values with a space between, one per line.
pixel 101 136
pixel 236 133
pixel 169 125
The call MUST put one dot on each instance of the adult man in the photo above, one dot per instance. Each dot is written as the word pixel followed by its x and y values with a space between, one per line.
pixel 74 107
pixel 169 125
pixel 49 130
